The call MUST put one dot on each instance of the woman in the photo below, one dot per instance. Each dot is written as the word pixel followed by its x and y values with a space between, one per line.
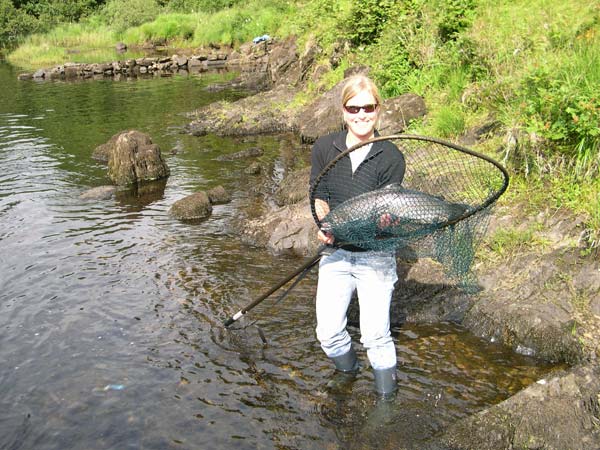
pixel 349 268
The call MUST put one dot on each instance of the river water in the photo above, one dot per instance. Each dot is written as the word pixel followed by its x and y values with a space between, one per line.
pixel 111 311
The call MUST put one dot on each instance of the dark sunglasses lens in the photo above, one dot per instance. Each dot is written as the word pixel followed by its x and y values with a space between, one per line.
pixel 370 108
pixel 355 109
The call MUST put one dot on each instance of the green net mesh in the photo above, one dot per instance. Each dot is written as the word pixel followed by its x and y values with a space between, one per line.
pixel 440 210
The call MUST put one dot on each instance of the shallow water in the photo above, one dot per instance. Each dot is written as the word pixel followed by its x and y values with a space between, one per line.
pixel 111 311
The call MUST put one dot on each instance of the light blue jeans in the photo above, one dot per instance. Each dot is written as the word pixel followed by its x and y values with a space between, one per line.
pixel 372 275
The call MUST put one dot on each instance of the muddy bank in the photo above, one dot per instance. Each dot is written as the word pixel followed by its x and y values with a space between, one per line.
pixel 540 300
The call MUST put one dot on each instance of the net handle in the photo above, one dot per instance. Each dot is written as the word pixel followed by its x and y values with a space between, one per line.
pixel 491 199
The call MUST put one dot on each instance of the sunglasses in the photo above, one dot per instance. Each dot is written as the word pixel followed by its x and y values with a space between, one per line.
pixel 366 108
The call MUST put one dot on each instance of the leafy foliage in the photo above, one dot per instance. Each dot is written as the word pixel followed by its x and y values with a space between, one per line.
pixel 561 104
pixel 19 18
pixel 123 14
pixel 456 17
pixel 207 6
pixel 14 23
pixel 367 20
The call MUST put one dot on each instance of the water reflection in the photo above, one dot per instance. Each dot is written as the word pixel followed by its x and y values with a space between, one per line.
pixel 110 329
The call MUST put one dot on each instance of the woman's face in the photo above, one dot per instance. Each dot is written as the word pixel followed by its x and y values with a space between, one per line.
pixel 362 123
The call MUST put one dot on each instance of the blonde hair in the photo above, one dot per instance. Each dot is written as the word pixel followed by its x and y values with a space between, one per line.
pixel 359 83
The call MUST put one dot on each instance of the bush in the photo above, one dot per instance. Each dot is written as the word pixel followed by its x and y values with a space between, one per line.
pixel 367 20
pixel 448 121
pixel 240 24
pixel 207 6
pixel 562 105
pixel 123 14
pixel 52 12
pixel 14 23
pixel 456 17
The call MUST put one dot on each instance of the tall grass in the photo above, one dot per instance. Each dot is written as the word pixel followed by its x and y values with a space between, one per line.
pixel 70 42
pixel 163 28
pixel 543 62
pixel 230 26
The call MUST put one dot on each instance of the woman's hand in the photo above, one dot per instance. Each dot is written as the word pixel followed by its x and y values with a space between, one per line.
pixel 325 237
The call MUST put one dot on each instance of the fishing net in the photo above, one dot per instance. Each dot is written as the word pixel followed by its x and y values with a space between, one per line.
pixel 439 210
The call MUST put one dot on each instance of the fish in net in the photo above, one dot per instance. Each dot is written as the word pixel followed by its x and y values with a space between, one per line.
pixel 439 210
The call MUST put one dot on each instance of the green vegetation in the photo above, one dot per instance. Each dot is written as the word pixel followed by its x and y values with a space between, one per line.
pixel 512 241
pixel 531 65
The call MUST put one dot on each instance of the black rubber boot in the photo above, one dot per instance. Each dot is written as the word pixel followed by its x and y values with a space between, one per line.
pixel 347 363
pixel 385 382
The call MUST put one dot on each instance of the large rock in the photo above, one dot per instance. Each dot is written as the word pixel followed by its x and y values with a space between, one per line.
pixel 293 188
pixel 193 207
pixel 283 62
pixel 560 412
pixel 134 158
pixel 397 113
pixel 266 112
pixel 322 116
pixel 103 151
pixel 290 229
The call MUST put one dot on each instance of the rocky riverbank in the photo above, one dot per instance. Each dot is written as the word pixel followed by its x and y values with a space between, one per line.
pixel 541 300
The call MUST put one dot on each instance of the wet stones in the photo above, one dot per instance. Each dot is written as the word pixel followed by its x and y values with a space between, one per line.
pixel 99 193
pixel 251 152
pixel 199 205
pixel 213 58
pixel 560 412
pixel 193 207
pixel 218 195
pixel 132 158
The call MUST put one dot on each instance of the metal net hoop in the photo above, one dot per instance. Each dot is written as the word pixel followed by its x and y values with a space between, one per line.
pixel 440 209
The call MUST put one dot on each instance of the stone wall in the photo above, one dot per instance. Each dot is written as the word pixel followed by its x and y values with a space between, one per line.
pixel 251 57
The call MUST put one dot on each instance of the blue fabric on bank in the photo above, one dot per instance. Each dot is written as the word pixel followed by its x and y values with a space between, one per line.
pixel 264 37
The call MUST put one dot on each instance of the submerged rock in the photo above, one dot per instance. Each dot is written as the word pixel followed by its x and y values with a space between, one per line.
pixel 253 169
pixel 218 195
pixel 251 152
pixel 193 207
pixel 99 193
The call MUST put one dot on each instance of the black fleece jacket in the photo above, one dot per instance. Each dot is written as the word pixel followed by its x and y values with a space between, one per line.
pixel 384 164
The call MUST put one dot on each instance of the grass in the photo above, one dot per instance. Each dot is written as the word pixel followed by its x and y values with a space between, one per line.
pixel 231 26
pixel 94 40
pixel 64 43
pixel 165 27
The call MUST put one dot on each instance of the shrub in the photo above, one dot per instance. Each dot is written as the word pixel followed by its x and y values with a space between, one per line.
pixel 562 105
pixel 207 6
pixel 456 16
pixel 123 14
pixel 367 19
pixel 14 23
pixel 169 26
